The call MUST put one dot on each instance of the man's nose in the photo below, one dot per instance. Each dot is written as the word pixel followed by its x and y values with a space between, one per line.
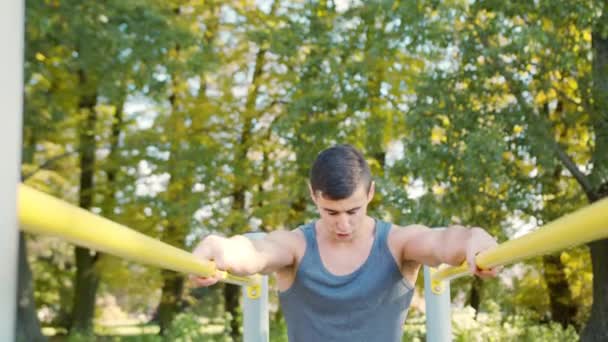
pixel 343 221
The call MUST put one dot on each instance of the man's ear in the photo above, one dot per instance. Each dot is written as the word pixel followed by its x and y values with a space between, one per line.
pixel 371 192
pixel 312 193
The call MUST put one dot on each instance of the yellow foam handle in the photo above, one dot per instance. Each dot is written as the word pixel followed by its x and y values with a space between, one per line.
pixel 40 213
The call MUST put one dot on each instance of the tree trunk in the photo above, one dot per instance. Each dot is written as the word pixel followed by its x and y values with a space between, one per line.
pixel 113 163
pixel 231 304
pixel 170 302
pixel 563 310
pixel 562 305
pixel 596 329
pixel 475 295
pixel 241 162
pixel 175 232
pixel 232 292
pixel 87 280
pixel 28 326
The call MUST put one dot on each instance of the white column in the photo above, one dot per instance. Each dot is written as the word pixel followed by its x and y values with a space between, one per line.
pixel 255 307
pixel 11 90
pixel 437 303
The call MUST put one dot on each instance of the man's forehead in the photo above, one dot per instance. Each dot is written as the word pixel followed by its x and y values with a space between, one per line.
pixel 360 192
pixel 357 199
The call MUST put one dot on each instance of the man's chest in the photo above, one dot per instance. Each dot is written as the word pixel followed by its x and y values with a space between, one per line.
pixel 344 260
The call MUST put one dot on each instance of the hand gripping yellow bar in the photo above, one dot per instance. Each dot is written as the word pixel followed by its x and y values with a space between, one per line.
pixel 40 213
pixel 582 226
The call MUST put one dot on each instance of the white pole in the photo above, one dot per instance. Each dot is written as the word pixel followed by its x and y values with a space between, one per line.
pixel 255 307
pixel 11 90
pixel 438 317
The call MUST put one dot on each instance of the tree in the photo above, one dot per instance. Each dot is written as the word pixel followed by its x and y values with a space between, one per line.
pixel 67 37
pixel 522 79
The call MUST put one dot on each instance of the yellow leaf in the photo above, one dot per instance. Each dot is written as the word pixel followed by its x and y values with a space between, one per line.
pixel 565 257
pixel 438 189
pixel 517 129
pixel 547 25
pixel 584 138
pixel 572 83
pixel 508 156
pixel 40 57
pixel 540 98
pixel 438 135
pixel 587 36
pixel 524 167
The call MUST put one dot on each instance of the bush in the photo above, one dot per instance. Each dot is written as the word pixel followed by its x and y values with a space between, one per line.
pixel 185 327
pixel 491 326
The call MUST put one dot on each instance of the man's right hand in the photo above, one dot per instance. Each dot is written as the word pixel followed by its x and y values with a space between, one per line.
pixel 235 255
pixel 203 281
pixel 206 250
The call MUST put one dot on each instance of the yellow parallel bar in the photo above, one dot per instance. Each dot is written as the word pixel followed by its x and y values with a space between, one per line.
pixel 40 213
pixel 582 226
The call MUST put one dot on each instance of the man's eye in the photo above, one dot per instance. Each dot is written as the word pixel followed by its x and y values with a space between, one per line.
pixel 333 214
pixel 352 212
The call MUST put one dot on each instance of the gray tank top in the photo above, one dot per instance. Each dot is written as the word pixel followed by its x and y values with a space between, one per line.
pixel 369 304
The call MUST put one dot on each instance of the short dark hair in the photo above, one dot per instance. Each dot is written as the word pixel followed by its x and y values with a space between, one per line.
pixel 338 171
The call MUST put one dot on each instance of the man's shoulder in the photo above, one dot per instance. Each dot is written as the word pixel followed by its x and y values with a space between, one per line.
pixel 401 234
pixel 292 238
pixel 286 234
pixel 408 228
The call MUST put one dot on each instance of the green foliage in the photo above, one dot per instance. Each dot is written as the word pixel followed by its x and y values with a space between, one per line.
pixel 210 113
pixel 185 328
pixel 53 272
pixel 467 325
pixel 132 285
pixel 80 337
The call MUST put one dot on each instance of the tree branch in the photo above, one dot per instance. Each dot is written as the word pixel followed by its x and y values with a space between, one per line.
pixel 46 164
pixel 580 177
pixel 561 154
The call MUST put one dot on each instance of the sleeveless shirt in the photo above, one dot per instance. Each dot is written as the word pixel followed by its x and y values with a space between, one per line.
pixel 369 304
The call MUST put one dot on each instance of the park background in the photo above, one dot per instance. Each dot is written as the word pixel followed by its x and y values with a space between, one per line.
pixel 179 118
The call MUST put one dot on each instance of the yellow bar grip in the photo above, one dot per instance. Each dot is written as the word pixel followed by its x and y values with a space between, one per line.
pixel 582 226
pixel 40 213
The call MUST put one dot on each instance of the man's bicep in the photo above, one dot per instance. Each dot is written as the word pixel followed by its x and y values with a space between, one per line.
pixel 278 248
pixel 420 244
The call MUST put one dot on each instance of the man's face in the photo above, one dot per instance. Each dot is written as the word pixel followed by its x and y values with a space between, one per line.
pixel 342 218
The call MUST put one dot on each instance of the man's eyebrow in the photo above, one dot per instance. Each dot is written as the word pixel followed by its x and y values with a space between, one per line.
pixel 337 211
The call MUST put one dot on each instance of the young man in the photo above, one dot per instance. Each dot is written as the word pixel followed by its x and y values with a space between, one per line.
pixel 346 276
